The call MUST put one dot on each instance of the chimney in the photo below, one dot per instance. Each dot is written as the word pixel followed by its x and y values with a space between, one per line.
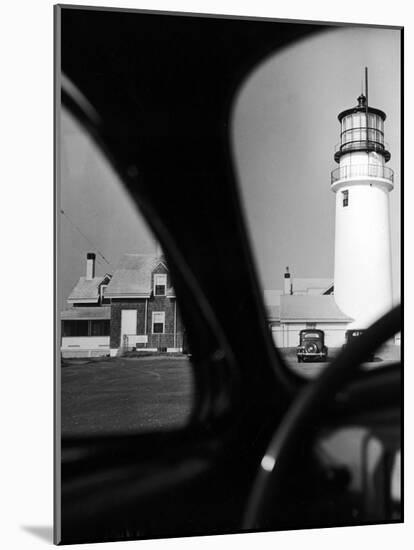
pixel 90 266
pixel 287 283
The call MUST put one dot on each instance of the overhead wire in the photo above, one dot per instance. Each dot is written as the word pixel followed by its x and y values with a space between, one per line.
pixel 75 226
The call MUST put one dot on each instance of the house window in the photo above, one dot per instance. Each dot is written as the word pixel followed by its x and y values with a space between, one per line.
pixel 345 198
pixel 160 284
pixel 158 322
pixel 100 327
pixel 75 328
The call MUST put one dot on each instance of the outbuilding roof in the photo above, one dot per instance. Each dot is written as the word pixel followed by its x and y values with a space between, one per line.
pixel 272 297
pixel 273 313
pixel 85 313
pixel 310 286
pixel 132 278
pixel 86 290
pixel 310 307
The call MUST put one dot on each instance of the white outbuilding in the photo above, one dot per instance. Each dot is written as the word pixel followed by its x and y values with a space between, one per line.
pixel 305 303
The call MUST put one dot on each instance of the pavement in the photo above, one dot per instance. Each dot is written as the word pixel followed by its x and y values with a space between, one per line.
pixel 132 395
pixel 383 358
pixel 311 370
pixel 125 395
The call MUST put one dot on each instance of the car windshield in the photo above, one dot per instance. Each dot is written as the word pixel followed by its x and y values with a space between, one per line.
pixel 122 341
pixel 321 195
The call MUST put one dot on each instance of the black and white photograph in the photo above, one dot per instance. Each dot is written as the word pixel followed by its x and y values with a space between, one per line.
pixel 228 274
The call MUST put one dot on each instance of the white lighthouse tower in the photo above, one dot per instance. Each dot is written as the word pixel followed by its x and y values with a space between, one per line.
pixel 362 182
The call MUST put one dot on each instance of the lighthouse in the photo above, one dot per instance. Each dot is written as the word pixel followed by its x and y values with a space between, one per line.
pixel 362 183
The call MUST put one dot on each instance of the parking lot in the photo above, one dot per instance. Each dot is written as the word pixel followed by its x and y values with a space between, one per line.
pixel 130 395
pixel 384 356
pixel 125 395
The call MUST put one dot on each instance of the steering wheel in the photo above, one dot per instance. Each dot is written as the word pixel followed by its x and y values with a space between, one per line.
pixel 276 463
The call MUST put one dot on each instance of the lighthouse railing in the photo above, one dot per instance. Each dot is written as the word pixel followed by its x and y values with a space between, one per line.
pixel 362 170
pixel 358 144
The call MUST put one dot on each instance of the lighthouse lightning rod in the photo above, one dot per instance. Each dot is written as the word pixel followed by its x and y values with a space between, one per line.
pixel 366 101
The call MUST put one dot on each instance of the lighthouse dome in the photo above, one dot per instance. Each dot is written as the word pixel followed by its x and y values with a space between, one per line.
pixel 362 129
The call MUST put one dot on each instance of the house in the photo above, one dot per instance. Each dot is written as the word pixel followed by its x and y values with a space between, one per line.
pixel 144 313
pixel 135 309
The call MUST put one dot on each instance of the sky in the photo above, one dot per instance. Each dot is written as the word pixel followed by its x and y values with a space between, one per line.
pixel 284 130
pixel 98 214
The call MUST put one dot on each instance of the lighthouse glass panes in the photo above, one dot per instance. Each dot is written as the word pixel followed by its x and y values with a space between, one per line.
pixel 362 151
pixel 354 131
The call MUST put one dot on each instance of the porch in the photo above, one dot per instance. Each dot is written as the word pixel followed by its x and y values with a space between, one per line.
pixel 163 342
pixel 85 332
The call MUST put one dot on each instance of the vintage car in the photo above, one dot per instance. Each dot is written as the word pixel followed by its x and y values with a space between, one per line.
pixel 263 446
pixel 311 346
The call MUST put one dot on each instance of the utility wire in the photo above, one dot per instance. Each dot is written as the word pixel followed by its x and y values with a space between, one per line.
pixel 85 237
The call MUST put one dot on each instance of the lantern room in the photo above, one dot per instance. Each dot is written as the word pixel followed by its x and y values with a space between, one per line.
pixel 362 129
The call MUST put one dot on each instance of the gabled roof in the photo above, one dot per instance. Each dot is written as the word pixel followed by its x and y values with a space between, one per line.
pixel 273 313
pixel 79 313
pixel 272 297
pixel 310 307
pixel 310 285
pixel 132 278
pixel 86 291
